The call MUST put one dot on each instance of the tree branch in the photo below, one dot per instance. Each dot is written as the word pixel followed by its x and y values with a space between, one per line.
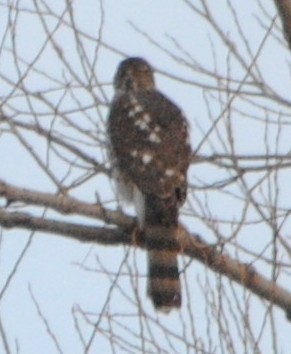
pixel 82 233
pixel 188 244
pixel 63 203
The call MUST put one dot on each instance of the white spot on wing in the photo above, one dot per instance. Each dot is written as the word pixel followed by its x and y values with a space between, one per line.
pixel 146 158
pixel 154 138
pixel 169 172
pixel 134 153
pixel 131 113
pixel 181 178
pixel 141 124
pixel 137 109
pixel 146 117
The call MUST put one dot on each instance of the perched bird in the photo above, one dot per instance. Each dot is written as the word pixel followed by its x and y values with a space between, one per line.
pixel 150 152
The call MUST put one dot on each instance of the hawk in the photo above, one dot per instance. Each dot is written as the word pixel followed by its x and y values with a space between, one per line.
pixel 150 152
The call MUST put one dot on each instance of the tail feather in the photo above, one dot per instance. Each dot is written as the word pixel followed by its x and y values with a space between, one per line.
pixel 160 222
pixel 164 286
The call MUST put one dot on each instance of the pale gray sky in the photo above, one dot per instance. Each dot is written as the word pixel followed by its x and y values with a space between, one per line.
pixel 50 265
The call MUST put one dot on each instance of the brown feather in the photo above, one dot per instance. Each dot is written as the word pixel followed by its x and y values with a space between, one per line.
pixel 150 155
pixel 164 286
pixel 161 219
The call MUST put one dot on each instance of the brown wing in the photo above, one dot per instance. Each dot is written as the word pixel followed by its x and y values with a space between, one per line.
pixel 149 138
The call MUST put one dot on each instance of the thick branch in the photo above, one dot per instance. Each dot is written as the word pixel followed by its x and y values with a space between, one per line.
pixel 62 203
pixel 82 233
pixel 190 245
pixel 284 9
pixel 240 273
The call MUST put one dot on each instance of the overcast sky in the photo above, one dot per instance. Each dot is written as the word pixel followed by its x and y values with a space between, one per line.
pixel 50 267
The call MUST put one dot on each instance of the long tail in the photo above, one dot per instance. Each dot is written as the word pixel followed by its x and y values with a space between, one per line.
pixel 161 219
pixel 164 287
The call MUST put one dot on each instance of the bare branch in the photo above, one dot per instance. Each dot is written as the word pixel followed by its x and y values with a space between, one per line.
pixel 63 204
pixel 189 244
pixel 82 233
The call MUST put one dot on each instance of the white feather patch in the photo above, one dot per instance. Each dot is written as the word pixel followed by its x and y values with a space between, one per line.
pixel 146 158
pixel 139 204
